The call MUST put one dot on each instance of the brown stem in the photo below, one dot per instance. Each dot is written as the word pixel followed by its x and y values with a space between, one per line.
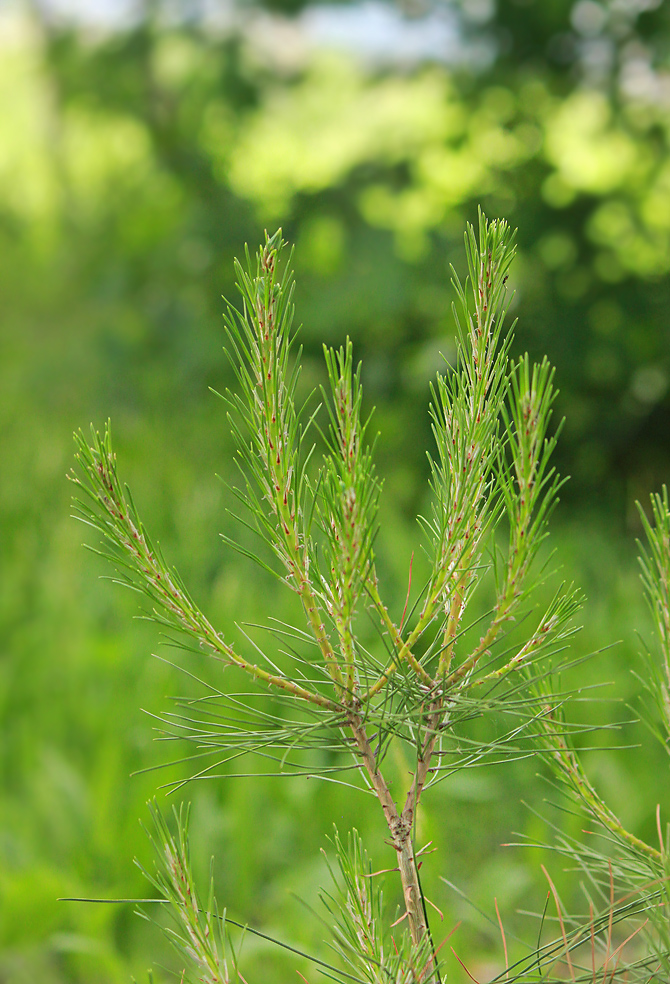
pixel 379 785
pixel 434 724
pixel 409 875
pixel 400 828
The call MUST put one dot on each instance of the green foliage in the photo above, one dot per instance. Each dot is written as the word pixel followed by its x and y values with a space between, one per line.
pixel 348 509
pixel 118 223
pixel 160 170
pixel 431 682
pixel 655 563
pixel 199 935
pixel 361 933
pixel 617 860
pixel 493 462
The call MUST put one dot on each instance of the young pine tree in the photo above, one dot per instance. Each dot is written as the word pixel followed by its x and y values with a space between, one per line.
pixel 492 490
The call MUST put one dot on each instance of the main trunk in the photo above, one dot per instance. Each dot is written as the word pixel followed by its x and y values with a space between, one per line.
pixel 400 827
pixel 409 876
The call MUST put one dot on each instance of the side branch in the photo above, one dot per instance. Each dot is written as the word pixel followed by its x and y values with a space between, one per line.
pixel 111 512
pixel 567 764
pixel 266 424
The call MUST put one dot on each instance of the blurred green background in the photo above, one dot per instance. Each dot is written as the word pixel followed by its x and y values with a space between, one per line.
pixel 141 145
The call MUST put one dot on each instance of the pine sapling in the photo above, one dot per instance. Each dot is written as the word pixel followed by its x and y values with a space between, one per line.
pixel 493 488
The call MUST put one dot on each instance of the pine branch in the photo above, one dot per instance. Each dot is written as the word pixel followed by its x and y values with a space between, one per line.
pixel 655 565
pixel 108 508
pixel 360 924
pixel 268 427
pixel 199 934
pixel 349 502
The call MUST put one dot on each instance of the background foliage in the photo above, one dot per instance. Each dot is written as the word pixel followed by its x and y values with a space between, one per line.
pixel 135 161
